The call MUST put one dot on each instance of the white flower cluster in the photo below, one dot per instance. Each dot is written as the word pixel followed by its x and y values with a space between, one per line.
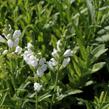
pixel 67 54
pixel 13 40
pixel 37 87
pixel 30 59
pixel 42 67
pixel 38 64
pixel 53 62
pixel 57 49
pixel 61 58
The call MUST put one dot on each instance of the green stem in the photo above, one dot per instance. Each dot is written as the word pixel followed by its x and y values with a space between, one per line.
pixel 12 74
pixel 56 82
pixel 56 78
pixel 36 105
pixel 51 106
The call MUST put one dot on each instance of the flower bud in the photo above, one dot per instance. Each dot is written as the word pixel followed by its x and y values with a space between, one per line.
pixel 68 53
pixel 29 46
pixel 33 63
pixel 16 34
pixel 10 43
pixel 37 87
pixel 65 62
pixel 52 63
pixel 55 53
pixel 18 50
pixel 41 70
pixel 42 61
pixel 16 41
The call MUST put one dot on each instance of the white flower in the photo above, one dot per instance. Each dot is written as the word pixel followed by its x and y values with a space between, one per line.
pixel 44 67
pixel 65 62
pixel 18 50
pixel 54 53
pixel 42 61
pixel 30 59
pixel 68 53
pixel 13 41
pixel 37 87
pixel 16 41
pixel 33 63
pixel 5 52
pixel 29 46
pixel 16 34
pixel 28 52
pixel 52 63
pixel 27 60
pixel 41 70
pixel 10 43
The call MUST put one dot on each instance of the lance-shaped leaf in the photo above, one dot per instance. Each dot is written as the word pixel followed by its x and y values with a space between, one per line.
pixel 91 9
pixel 68 93
pixel 97 67
pixel 97 52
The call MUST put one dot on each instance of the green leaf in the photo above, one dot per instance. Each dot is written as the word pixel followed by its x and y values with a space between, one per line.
pixel 103 38
pixel 44 96
pixel 82 48
pixel 106 106
pixel 103 97
pixel 73 92
pixel 97 66
pixel 3 99
pixel 67 93
pixel 2 39
pixel 91 9
pixel 97 52
pixel 89 83
pixel 88 105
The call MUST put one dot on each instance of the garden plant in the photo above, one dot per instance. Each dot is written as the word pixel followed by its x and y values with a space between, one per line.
pixel 54 54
